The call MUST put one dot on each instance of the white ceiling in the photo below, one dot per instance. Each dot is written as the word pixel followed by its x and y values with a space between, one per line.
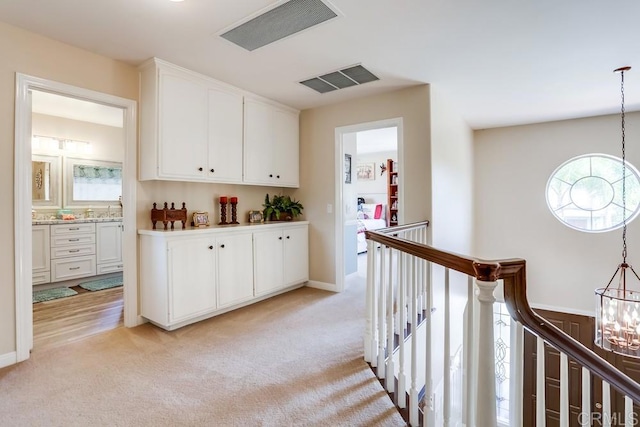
pixel 377 140
pixel 76 109
pixel 498 62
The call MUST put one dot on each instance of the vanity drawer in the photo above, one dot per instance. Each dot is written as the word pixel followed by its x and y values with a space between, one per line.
pixel 66 229
pixel 41 277
pixel 73 239
pixel 110 268
pixel 75 250
pixel 73 268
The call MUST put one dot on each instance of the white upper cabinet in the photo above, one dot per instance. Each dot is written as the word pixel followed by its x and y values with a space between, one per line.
pixel 194 128
pixel 270 144
pixel 190 126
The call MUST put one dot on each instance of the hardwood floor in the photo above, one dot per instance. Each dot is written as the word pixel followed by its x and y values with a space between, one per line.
pixel 65 320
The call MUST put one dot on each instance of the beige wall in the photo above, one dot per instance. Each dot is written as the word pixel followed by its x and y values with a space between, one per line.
pixel 317 160
pixel 31 54
pixel 513 164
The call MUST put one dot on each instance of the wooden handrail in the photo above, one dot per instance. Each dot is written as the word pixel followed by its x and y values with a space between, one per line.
pixel 513 273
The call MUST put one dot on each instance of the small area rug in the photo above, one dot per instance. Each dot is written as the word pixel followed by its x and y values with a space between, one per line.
pixel 49 294
pixel 100 284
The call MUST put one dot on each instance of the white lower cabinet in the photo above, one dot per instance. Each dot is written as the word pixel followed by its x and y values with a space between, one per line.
pixel 40 254
pixel 109 247
pixel 190 275
pixel 73 249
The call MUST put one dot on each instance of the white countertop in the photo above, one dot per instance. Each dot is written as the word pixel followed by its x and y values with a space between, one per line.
pixel 159 230
pixel 73 221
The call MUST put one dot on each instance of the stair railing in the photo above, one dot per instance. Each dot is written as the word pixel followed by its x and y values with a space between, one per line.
pixel 398 340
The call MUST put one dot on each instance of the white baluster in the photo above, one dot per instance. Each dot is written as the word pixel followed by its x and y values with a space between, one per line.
pixel 390 379
pixel 486 405
pixel 371 344
pixel 564 390
pixel 606 404
pixel 516 359
pixel 401 399
pixel 381 320
pixel 429 417
pixel 630 419
pixel 414 391
pixel 586 395
pixel 540 384
pixel 447 351
pixel 470 373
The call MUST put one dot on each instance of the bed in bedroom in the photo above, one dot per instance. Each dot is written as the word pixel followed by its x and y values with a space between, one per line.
pixel 370 216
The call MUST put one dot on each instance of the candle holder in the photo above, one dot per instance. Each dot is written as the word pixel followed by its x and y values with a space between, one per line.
pixel 234 212
pixel 223 213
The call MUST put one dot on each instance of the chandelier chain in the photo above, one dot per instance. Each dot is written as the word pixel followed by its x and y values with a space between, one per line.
pixel 624 173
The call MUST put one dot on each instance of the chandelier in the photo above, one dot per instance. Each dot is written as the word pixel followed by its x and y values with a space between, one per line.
pixel 618 308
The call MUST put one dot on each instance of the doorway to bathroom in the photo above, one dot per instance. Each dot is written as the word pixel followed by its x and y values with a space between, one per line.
pixel 69 198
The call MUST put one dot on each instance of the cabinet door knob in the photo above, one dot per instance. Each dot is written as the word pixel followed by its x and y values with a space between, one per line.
pixel 270 175
pixel 222 246
pixel 288 237
pixel 210 247
pixel 278 176
pixel 200 169
pixel 212 170
pixel 280 238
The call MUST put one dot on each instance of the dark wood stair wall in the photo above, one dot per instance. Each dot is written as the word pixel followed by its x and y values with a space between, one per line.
pixel 582 328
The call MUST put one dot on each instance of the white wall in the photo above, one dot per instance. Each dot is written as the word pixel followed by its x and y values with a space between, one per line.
pixel 375 191
pixel 512 165
pixel 452 219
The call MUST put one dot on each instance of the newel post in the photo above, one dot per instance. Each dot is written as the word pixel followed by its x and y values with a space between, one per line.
pixel 486 280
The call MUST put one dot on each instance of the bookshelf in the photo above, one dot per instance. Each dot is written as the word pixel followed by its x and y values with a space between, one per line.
pixel 392 192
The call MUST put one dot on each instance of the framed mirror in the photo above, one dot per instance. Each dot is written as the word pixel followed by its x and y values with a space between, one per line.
pixel 45 181
pixel 92 182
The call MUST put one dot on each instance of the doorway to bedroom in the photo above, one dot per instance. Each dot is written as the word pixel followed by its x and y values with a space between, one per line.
pixel 369 192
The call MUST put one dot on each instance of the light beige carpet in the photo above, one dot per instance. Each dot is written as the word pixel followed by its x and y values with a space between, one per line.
pixel 293 360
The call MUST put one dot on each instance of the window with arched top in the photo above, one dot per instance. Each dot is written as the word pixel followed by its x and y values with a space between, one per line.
pixel 585 193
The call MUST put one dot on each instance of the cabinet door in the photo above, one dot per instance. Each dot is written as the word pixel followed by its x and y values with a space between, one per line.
pixel 235 268
pixel 258 143
pixel 268 251
pixel 40 254
pixel 109 242
pixel 286 147
pixel 183 129
pixel 225 136
pixel 296 255
pixel 191 276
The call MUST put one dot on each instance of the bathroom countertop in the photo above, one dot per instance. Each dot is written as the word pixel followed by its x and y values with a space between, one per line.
pixel 73 221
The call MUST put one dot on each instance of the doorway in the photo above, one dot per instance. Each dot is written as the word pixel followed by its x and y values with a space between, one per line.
pixel 347 261
pixel 26 85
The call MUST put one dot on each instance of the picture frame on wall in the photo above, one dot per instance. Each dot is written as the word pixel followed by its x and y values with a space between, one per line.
pixel 366 172
pixel 347 168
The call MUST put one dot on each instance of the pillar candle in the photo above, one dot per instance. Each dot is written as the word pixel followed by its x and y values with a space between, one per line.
pixel 223 199
pixel 234 200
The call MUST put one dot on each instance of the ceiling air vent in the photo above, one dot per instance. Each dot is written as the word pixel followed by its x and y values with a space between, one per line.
pixel 351 76
pixel 287 19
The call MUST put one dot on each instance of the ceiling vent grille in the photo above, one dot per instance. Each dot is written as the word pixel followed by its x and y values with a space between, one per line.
pixel 287 19
pixel 347 77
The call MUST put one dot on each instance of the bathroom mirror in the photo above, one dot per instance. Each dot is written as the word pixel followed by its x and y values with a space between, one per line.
pixel 45 181
pixel 92 182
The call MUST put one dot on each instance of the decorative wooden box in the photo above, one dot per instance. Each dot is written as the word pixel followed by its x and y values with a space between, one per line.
pixel 167 215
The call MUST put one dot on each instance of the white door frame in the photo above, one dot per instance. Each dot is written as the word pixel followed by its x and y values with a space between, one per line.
pixel 339 182
pixel 22 202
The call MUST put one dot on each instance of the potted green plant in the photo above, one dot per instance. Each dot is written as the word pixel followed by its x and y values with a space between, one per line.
pixel 281 208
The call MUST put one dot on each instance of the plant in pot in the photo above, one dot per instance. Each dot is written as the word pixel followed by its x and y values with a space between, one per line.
pixel 281 208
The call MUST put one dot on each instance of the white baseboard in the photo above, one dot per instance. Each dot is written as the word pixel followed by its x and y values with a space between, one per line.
pixel 8 359
pixel 322 285
pixel 563 310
